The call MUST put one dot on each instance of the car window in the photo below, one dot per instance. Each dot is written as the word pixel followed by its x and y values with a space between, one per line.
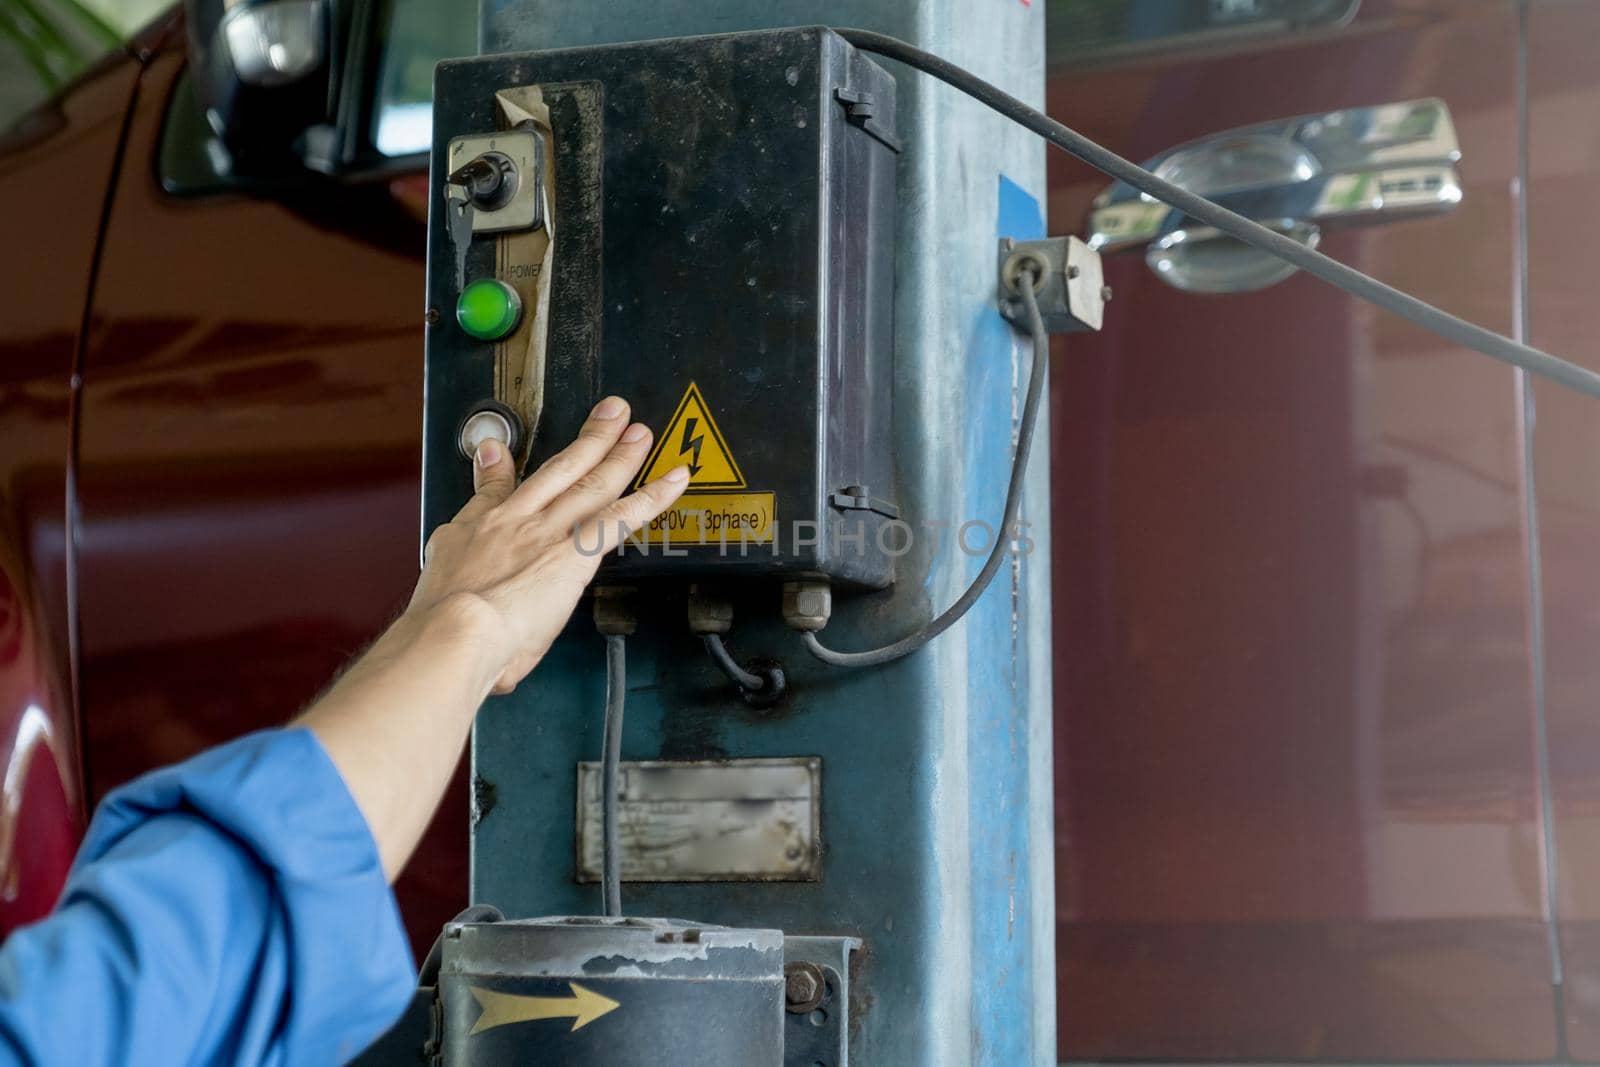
pixel 419 34
pixel 44 44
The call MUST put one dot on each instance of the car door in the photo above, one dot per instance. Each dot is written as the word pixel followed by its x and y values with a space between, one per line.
pixel 249 456
pixel 1302 808
pixel 65 87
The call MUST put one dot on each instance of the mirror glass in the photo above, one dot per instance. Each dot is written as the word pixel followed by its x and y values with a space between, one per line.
pixel 1201 260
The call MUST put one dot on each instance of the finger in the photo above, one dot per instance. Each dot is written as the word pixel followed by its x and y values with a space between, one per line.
pixel 494 477
pixel 605 424
pixel 602 485
pixel 629 514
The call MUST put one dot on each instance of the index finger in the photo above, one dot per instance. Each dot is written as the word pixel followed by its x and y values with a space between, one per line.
pixel 627 515
pixel 594 442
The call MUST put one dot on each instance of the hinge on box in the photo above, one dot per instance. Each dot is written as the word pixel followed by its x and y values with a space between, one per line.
pixel 861 109
pixel 860 498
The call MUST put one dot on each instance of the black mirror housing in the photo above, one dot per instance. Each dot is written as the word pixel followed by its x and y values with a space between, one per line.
pixel 263 72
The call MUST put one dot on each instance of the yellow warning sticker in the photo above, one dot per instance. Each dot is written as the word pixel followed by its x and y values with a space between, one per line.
pixel 692 437
pixel 714 519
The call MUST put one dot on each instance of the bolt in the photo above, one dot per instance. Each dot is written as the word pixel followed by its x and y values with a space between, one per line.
pixel 800 986
pixel 432 317
pixel 803 986
pixel 1105 293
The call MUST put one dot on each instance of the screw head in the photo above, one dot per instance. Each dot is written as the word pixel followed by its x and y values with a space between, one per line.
pixel 803 986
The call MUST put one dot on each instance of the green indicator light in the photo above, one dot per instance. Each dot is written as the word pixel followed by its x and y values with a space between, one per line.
pixel 488 309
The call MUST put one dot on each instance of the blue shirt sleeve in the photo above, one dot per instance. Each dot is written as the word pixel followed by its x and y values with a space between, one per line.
pixel 228 910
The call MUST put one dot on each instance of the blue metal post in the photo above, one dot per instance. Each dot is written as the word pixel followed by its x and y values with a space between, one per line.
pixel 936 796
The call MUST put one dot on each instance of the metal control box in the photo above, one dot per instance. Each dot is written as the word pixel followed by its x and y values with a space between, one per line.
pixel 716 245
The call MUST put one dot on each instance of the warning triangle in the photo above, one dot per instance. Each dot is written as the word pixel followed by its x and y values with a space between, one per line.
pixel 692 437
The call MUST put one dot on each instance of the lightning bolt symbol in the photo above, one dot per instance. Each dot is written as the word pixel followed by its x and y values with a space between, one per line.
pixel 691 442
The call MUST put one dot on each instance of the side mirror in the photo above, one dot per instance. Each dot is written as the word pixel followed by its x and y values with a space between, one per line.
pixel 1365 166
pixel 263 72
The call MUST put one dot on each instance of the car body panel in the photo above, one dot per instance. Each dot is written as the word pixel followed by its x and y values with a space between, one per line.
pixel 1298 792
pixel 1564 317
pixel 55 168
pixel 249 465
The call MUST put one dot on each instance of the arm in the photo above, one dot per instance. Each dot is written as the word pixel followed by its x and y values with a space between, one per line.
pixel 235 908
pixel 230 909
pixel 499 583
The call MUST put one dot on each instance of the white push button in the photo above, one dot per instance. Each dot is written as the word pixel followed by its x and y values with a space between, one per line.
pixel 479 427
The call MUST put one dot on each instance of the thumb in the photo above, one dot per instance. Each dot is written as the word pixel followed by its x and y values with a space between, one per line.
pixel 494 473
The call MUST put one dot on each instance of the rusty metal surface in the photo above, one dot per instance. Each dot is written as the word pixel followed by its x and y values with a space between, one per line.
pixel 817 1029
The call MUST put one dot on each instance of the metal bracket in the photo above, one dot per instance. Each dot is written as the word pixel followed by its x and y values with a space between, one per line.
pixel 816 1031
pixel 1067 282
pixel 862 109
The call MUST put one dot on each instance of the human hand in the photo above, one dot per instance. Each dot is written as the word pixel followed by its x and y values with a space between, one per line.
pixel 514 561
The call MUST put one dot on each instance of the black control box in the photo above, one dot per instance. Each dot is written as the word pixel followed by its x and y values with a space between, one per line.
pixel 720 214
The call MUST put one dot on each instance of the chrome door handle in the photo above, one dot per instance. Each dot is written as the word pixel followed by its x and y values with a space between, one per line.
pixel 1360 166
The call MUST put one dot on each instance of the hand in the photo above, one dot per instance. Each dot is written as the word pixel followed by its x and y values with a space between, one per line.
pixel 513 563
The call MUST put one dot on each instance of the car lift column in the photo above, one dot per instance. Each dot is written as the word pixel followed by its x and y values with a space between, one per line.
pixel 936 791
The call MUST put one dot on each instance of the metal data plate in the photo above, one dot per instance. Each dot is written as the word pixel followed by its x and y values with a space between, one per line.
pixel 753 820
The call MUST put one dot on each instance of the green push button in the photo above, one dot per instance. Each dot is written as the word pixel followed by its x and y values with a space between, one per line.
pixel 488 309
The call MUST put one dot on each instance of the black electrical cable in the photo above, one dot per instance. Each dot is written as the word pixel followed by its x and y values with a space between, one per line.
pixel 997 555
pixel 610 767
pixel 1453 329
pixel 1430 318
pixel 736 674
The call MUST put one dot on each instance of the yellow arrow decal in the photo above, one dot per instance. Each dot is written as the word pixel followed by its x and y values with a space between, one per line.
pixel 500 1009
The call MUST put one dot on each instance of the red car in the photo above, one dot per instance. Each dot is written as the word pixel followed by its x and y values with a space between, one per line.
pixel 1326 610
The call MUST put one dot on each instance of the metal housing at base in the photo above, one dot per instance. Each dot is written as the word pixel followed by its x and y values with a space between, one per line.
pixel 622 992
